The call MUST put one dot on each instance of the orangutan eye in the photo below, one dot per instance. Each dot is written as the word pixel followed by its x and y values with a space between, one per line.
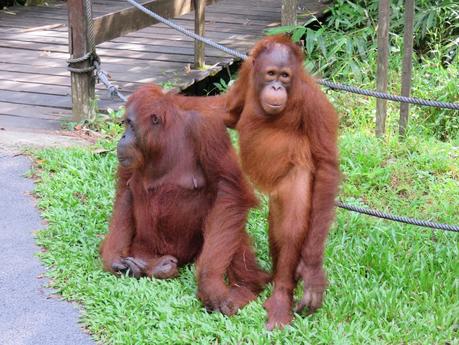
pixel 155 119
pixel 285 75
pixel 271 73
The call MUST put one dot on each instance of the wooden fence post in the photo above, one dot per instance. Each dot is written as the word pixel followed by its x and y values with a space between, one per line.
pixel 288 16
pixel 81 42
pixel 407 64
pixel 199 28
pixel 383 56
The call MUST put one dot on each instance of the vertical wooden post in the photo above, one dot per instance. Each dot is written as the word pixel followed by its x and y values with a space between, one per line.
pixel 407 64
pixel 288 16
pixel 199 28
pixel 81 42
pixel 383 56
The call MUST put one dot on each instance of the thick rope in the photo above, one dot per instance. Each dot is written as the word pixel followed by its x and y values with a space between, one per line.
pixel 85 57
pixel 90 55
pixel 401 219
pixel 80 70
pixel 102 76
pixel 331 85
pixel 186 32
pixel 394 98
pixel 71 61
pixel 90 25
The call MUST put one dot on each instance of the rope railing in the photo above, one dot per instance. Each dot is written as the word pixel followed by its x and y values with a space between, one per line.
pixel 395 218
pixel 327 83
pixel 334 86
pixel 389 97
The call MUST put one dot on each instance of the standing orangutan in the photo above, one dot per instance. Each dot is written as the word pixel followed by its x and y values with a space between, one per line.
pixel 288 147
pixel 180 196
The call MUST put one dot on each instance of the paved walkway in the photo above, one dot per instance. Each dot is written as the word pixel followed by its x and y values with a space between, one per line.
pixel 28 314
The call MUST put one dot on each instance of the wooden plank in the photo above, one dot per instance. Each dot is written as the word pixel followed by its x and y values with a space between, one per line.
pixel 220 25
pixel 131 43
pixel 226 32
pixel 54 13
pixel 181 48
pixel 139 71
pixel 60 90
pixel 122 22
pixel 107 7
pixel 40 83
pixel 216 30
pixel 39 79
pixel 32 111
pixel 35 58
pixel 15 122
pixel 52 101
pixel 26 86
pixel 139 55
pixel 240 11
pixel 213 31
pixel 118 64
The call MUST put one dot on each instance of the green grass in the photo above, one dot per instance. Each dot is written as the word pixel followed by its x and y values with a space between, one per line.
pixel 389 283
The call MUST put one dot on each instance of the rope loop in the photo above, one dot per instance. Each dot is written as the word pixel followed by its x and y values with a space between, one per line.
pixel 91 57
pixel 104 78
pixel 85 57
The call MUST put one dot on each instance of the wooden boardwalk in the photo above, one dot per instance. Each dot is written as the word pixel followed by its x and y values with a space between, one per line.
pixel 34 82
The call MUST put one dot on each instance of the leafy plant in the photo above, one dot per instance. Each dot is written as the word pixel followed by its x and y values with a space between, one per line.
pixel 222 86
pixel 101 125
pixel 345 40
pixel 343 47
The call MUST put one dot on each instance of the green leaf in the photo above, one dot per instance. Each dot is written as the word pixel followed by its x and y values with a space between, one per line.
pixel 298 33
pixel 280 30
pixel 310 37
pixel 356 70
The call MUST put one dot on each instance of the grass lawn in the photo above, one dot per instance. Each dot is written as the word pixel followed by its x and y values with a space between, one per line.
pixel 389 283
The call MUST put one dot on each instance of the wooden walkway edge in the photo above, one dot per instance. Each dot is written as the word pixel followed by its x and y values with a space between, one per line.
pixel 34 82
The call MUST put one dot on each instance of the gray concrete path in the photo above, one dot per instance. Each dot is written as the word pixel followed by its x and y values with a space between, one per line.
pixel 27 313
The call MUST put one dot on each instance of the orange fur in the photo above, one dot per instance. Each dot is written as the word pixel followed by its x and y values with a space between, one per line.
pixel 293 157
pixel 186 198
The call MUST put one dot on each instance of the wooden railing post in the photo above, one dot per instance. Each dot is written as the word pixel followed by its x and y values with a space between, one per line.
pixel 407 64
pixel 383 58
pixel 199 28
pixel 81 42
pixel 288 16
